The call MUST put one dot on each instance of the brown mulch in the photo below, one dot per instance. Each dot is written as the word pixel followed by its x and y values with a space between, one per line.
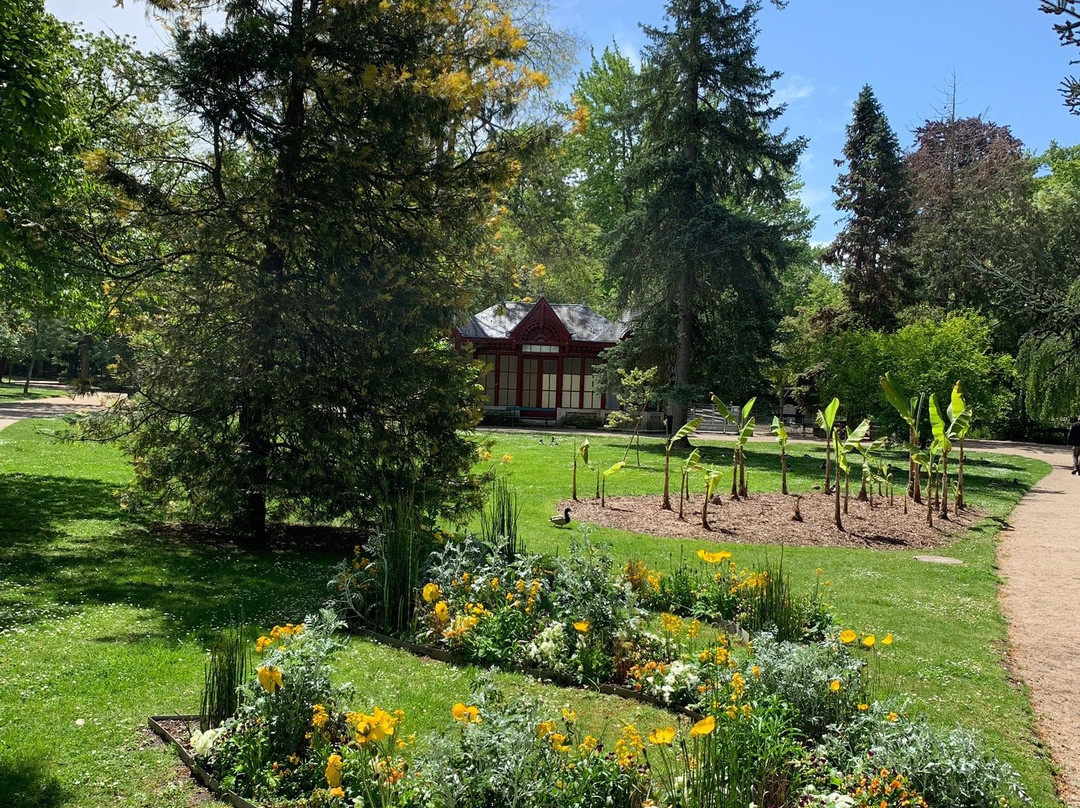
pixel 768 519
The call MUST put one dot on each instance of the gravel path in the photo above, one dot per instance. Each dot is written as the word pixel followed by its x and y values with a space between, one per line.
pixel 12 411
pixel 1039 561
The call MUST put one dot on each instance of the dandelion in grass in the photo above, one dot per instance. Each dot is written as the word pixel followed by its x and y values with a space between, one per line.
pixel 506 458
pixel 887 639
pixel 703 727
pixel 662 736
pixel 847 636
pixel 431 592
pixel 869 640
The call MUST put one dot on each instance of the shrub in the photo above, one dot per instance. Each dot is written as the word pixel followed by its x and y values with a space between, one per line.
pixel 945 766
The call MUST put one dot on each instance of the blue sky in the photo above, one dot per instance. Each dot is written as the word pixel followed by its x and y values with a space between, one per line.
pixel 1003 53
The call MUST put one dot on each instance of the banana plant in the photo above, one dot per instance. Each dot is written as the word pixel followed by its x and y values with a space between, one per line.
pixel 826 419
pixel 688 429
pixel 945 432
pixel 960 416
pixel 910 409
pixel 689 465
pixel 780 431
pixel 607 473
pixel 843 452
pixel 869 476
pixel 745 425
pixel 583 451
pixel 924 459
pixel 712 480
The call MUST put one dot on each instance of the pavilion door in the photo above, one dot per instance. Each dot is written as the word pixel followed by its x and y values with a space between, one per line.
pixel 539 382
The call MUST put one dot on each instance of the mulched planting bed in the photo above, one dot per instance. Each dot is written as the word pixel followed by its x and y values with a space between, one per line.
pixel 767 519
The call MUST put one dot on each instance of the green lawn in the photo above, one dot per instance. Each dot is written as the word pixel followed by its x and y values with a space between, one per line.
pixel 104 618
pixel 13 391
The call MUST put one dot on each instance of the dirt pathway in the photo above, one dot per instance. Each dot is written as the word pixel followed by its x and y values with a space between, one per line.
pixel 1039 560
pixel 12 411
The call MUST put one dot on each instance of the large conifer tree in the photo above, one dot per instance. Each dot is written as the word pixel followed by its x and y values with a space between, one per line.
pixel 876 193
pixel 343 164
pixel 697 261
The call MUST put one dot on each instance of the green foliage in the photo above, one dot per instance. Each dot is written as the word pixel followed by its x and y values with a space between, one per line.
pixel 876 192
pixel 768 604
pixel 705 142
pixel 499 519
pixel 304 371
pixel 823 683
pixel 228 667
pixel 945 766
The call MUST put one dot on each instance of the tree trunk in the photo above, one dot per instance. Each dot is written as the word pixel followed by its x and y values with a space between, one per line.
pixel 847 489
pixel 29 375
pixel 85 344
pixel 574 487
pixel 682 495
pixel 667 478
pixel 783 472
pixel 735 474
pixel 863 496
pixel 742 473
pixel 828 458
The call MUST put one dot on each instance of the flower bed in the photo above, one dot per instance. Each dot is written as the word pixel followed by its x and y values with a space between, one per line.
pixel 782 724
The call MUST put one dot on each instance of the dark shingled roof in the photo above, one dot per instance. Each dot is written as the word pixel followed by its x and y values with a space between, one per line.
pixel 584 324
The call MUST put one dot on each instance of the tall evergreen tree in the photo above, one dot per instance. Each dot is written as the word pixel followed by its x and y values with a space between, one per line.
pixel 876 193
pixel 341 171
pixel 697 260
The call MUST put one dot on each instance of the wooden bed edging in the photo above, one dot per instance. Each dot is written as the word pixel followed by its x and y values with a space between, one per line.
pixel 198 771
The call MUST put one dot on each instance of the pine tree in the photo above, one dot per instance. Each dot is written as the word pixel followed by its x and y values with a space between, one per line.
pixel 340 174
pixel 876 192
pixel 697 260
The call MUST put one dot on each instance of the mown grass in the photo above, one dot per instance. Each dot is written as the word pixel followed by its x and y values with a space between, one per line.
pixel 13 391
pixel 950 634
pixel 105 618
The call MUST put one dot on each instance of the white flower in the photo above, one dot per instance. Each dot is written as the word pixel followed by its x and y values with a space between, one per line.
pixel 202 743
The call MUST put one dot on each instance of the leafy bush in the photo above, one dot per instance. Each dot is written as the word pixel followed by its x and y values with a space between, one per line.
pixel 945 766
pixel 822 682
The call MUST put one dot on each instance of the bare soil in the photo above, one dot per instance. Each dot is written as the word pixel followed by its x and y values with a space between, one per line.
pixel 770 519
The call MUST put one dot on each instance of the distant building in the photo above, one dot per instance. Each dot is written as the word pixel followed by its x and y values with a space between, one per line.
pixel 542 359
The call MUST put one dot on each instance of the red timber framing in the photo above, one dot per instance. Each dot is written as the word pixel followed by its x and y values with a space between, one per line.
pixel 538 368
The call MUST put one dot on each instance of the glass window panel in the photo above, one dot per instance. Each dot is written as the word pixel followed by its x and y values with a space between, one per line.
pixel 539 348
pixel 550 383
pixel 591 397
pixel 508 376
pixel 529 379
pixel 571 383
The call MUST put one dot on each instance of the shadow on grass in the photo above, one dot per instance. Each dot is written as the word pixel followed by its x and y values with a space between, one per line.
pixel 194 578
pixel 27 784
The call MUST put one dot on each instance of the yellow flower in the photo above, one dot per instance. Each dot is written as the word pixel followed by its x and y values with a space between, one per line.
pixel 633 736
pixel 588 744
pixel 671 623
pixel 834 685
pixel 337 792
pixel 545 728
pixel 887 639
pixel 693 628
pixel 713 558
pixel 506 458
pixel 847 636
pixel 558 742
pixel 333 771
pixel 569 716
pixel 319 716
pixel 431 592
pixel 869 640
pixel 863 707
pixel 442 611
pixel 703 727
pixel 662 737
pixel 756 671
pixel 485 456
pixel 270 678
pixel 891 717
pixel 582 626
pixel 469 714
pixel 261 644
